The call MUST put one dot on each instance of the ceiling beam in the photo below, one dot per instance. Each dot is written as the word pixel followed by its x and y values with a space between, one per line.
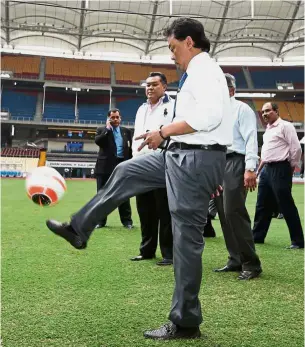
pixel 7 21
pixel 152 25
pixel 222 23
pixel 295 12
pixel 81 24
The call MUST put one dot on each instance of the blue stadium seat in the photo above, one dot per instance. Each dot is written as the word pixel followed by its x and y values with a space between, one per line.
pixel 94 112
pixel 129 108
pixel 268 77
pixel 59 110
pixel 19 103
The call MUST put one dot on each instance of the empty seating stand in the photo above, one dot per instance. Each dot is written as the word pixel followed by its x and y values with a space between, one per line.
pixel 93 107
pixel 59 106
pixel 60 69
pixel 268 77
pixel 238 73
pixel 129 107
pixel 22 66
pixel 127 73
pixel 20 103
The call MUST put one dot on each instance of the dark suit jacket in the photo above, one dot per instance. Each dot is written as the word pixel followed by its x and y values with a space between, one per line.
pixel 107 156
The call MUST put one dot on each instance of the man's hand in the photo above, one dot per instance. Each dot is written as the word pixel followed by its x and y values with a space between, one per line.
pixel 250 180
pixel 108 124
pixel 152 139
pixel 217 192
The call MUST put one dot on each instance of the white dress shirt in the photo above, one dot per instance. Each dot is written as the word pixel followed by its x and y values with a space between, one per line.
pixel 151 117
pixel 204 103
pixel 244 133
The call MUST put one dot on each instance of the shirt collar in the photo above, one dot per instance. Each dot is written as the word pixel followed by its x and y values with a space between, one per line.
pixel 116 129
pixel 199 58
pixel 160 101
pixel 275 124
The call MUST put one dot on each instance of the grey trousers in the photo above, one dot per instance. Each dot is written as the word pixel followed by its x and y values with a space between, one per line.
pixel 190 177
pixel 234 217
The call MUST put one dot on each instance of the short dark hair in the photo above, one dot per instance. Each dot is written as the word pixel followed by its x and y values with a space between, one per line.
pixel 181 28
pixel 274 107
pixel 113 110
pixel 159 74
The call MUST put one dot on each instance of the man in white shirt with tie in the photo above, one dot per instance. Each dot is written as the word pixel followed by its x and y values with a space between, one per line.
pixel 192 168
pixel 240 177
pixel 152 206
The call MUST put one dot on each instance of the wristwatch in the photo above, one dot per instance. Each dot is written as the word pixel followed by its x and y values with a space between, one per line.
pixel 251 170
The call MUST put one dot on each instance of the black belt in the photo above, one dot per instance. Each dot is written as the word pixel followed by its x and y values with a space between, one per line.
pixel 182 145
pixel 234 154
pixel 272 163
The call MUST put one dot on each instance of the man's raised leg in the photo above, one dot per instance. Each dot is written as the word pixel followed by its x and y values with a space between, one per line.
pixel 130 178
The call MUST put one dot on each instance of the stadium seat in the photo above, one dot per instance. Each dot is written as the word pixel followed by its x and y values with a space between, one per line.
pixel 128 73
pixel 268 77
pixel 61 69
pixel 22 66
pixel 20 103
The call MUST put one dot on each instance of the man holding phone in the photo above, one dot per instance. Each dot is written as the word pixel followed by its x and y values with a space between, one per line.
pixel 114 142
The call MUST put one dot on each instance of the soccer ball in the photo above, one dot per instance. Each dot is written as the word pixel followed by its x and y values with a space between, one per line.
pixel 45 186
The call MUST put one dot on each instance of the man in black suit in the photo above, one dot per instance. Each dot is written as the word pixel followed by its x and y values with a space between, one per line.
pixel 114 142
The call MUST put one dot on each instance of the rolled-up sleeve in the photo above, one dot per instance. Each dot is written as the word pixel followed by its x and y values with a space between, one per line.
pixel 295 150
pixel 206 114
pixel 248 131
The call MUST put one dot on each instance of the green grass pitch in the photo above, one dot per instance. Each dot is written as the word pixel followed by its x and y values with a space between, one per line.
pixel 55 296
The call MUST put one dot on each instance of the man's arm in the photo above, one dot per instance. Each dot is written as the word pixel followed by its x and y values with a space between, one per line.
pixel 248 131
pixel 101 136
pixel 295 150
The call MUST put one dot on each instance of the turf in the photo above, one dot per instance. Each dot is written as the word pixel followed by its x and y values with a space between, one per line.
pixel 53 295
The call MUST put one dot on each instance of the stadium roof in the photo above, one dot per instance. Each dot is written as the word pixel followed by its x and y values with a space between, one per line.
pixel 259 32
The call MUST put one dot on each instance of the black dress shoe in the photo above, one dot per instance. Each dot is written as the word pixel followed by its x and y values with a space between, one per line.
pixel 165 262
pixel 259 241
pixel 229 269
pixel 141 257
pixel 171 331
pixel 208 230
pixel 295 247
pixel 66 231
pixel 248 275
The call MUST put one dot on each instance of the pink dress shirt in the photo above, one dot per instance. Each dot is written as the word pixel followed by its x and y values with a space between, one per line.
pixel 280 143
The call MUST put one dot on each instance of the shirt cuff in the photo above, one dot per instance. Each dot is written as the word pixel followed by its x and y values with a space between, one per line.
pixel 251 164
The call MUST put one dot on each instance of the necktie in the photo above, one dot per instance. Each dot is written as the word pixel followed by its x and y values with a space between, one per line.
pixel 181 82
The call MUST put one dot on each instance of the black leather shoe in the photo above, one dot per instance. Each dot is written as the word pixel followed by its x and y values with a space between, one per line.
pixel 66 231
pixel 259 241
pixel 208 230
pixel 248 275
pixel 128 226
pixel 165 262
pixel 228 269
pixel 295 247
pixel 141 257
pixel 171 331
